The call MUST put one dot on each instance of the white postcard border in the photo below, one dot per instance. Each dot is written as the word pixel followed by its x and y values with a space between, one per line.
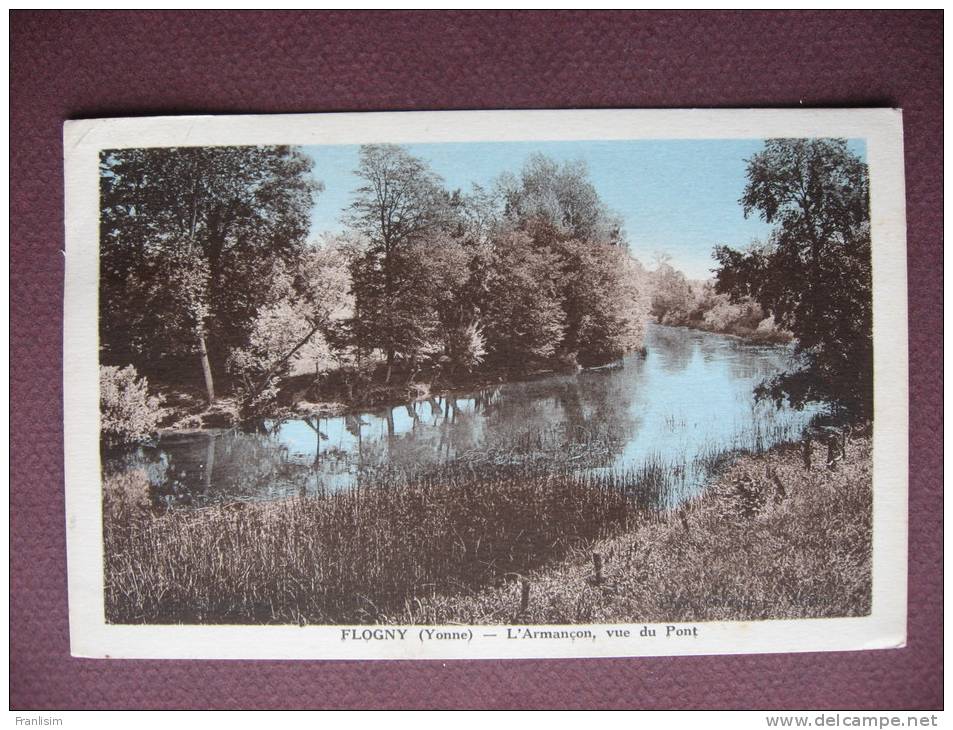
pixel 91 636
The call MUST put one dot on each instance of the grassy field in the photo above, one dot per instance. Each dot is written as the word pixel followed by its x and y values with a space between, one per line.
pixel 458 547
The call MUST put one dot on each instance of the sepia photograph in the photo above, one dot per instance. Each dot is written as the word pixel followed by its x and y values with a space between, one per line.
pixel 568 388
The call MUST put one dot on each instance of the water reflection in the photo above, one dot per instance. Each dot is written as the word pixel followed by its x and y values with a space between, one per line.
pixel 689 397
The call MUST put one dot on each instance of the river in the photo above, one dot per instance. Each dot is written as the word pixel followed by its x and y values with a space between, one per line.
pixel 688 399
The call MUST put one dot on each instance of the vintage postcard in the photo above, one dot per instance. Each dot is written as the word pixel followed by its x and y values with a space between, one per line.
pixel 486 384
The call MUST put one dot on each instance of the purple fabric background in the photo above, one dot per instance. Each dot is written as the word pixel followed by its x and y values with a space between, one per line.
pixel 67 65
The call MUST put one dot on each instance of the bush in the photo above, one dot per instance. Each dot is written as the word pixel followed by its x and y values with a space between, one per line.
pixel 740 319
pixel 128 414
pixel 468 347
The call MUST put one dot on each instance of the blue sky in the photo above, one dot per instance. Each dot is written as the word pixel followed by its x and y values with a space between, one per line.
pixel 676 196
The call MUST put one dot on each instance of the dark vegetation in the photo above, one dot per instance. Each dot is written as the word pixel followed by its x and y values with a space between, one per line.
pixel 814 274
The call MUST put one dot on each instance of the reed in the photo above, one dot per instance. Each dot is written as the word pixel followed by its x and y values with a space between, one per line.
pixel 349 556
pixel 454 543
pixel 768 539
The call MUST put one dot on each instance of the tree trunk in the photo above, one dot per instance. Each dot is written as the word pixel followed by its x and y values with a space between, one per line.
pixel 206 367
pixel 209 462
pixel 390 366
pixel 279 362
pixel 807 451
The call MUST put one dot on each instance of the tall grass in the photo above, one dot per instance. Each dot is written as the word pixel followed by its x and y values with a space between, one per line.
pixel 348 556
pixel 448 544
pixel 747 549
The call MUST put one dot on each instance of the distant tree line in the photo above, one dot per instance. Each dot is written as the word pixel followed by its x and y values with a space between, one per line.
pixel 680 302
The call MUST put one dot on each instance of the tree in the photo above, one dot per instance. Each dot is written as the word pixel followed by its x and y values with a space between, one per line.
pixel 535 270
pixel 552 202
pixel 184 235
pixel 324 275
pixel 399 206
pixel 672 295
pixel 300 316
pixel 599 287
pixel 814 274
pixel 128 413
pixel 522 313
pixel 604 296
pixel 740 318
pixel 446 267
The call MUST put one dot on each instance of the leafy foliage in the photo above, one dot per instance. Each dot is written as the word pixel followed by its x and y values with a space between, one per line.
pixel 204 261
pixel 672 297
pixel 532 271
pixel 400 205
pixel 323 285
pixel 185 235
pixel 128 413
pixel 560 200
pixel 679 302
pixel 278 327
pixel 522 310
pixel 605 301
pixel 814 275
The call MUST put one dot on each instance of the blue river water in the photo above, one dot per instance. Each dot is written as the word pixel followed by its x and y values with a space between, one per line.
pixel 688 398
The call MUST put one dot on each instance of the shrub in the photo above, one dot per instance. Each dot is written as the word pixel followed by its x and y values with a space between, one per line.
pixel 128 414
pixel 468 347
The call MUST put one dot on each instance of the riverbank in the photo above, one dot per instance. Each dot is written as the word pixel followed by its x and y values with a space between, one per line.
pixel 767 539
pixel 186 410
pixel 337 393
pixel 767 334
pixel 755 336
